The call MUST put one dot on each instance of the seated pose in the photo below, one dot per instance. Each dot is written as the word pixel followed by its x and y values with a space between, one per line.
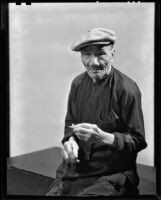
pixel 104 127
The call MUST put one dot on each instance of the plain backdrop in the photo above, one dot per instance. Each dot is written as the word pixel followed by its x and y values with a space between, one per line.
pixel 42 65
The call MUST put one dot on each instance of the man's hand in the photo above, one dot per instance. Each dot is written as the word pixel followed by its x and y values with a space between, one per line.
pixel 91 133
pixel 70 151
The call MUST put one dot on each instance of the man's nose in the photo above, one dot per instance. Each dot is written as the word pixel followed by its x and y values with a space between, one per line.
pixel 94 61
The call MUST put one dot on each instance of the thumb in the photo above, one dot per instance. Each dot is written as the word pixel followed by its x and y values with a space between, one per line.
pixel 75 148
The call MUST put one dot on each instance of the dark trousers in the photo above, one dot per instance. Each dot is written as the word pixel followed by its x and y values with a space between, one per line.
pixel 112 185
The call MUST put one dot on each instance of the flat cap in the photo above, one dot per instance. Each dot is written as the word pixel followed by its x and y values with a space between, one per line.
pixel 94 36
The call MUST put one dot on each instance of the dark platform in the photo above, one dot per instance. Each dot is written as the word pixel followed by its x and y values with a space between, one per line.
pixel 33 173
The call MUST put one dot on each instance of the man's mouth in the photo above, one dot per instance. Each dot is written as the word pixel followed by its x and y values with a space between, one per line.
pixel 96 70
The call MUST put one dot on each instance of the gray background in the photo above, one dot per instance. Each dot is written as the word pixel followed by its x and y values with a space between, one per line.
pixel 42 65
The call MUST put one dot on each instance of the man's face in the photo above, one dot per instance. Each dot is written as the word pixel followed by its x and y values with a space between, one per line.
pixel 97 60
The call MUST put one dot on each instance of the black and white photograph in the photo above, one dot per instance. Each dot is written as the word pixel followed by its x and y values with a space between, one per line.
pixel 81 99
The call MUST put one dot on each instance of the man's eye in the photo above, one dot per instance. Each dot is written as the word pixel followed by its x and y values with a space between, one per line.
pixel 87 54
pixel 100 54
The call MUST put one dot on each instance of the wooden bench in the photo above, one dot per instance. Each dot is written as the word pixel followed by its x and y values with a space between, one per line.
pixel 33 173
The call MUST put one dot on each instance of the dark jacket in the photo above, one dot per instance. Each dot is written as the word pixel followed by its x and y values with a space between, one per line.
pixel 114 104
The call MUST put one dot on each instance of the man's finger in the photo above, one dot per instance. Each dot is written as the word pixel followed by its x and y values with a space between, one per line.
pixel 67 147
pixel 83 130
pixel 72 157
pixel 83 125
pixel 86 125
pixel 81 136
pixel 75 149
pixel 65 155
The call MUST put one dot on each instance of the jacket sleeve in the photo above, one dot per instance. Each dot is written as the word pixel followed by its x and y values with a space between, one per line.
pixel 132 139
pixel 69 119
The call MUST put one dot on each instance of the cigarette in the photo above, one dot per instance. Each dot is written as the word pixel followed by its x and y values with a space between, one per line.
pixel 72 126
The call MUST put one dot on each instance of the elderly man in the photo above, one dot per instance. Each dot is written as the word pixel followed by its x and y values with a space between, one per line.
pixel 104 128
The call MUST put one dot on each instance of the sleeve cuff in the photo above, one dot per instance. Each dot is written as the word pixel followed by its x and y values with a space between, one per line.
pixel 118 142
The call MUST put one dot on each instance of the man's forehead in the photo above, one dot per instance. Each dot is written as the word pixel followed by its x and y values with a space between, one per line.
pixel 96 48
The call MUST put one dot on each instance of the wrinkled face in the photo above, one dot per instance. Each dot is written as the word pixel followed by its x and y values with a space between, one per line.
pixel 97 60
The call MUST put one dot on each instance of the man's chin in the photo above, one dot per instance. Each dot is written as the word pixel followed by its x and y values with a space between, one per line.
pixel 95 75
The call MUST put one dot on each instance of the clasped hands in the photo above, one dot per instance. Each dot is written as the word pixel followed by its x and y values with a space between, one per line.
pixel 89 133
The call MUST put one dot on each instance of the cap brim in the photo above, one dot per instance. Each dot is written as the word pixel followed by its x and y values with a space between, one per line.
pixel 79 48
